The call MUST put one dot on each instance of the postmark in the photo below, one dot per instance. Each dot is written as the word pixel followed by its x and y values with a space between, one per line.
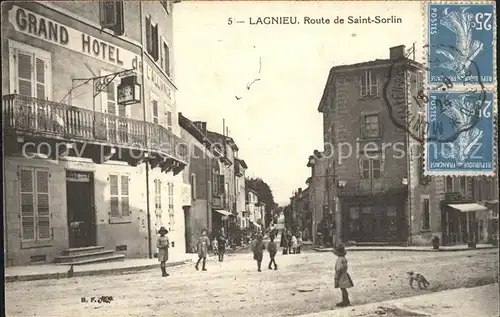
pixel 472 119
pixel 461 39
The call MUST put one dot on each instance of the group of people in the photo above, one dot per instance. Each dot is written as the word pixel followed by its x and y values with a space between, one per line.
pixel 342 279
pixel 291 243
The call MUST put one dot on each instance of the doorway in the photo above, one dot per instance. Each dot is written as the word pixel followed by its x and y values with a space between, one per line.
pixel 80 207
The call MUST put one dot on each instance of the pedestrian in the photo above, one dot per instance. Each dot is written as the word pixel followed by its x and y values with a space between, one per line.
pixel 299 240
pixel 289 241
pixel 215 246
pixel 202 246
pixel 342 278
pixel 294 244
pixel 284 243
pixel 272 249
pixel 258 248
pixel 221 244
pixel 162 243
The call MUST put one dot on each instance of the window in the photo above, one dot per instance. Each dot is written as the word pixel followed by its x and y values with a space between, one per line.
pixel 449 184
pixel 111 16
pixel 31 73
pixel 371 168
pixel 369 83
pixel 171 212
pixel 426 221
pixel 193 186
pixel 168 117
pixel 215 183
pixel 158 211
pixel 35 202
pixel 119 198
pixel 154 103
pixel 481 230
pixel 371 126
pixel 157 194
pixel 165 58
pixel 152 39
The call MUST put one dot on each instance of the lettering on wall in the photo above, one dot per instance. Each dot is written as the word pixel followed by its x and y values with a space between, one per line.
pixel 157 80
pixel 35 25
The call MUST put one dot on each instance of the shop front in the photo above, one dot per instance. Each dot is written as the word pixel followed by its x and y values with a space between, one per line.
pixel 464 222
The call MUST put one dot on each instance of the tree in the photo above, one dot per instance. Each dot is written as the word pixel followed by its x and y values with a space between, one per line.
pixel 264 193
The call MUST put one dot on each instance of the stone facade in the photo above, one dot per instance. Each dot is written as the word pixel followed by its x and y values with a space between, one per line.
pixel 62 41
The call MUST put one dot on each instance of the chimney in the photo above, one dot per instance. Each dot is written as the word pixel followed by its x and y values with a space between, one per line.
pixel 202 126
pixel 300 190
pixel 397 52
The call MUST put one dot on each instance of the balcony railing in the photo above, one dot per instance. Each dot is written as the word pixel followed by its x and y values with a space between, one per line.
pixel 32 116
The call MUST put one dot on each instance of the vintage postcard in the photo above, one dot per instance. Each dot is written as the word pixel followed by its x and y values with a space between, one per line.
pixel 250 158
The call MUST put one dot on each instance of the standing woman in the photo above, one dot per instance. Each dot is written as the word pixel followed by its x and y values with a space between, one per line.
pixel 162 243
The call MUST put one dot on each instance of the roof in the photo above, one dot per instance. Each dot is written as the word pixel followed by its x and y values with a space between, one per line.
pixel 192 129
pixel 378 63
pixel 242 162
pixel 230 141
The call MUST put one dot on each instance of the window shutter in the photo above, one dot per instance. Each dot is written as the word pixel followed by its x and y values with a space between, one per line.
pixel 167 59
pixel 149 42
pixel 27 204
pixel 42 199
pixel 124 180
pixel 119 28
pixel 40 73
pixel 168 114
pixel 155 46
pixel 221 184
pixel 114 196
pixel 155 111
pixel 362 126
pixel 25 74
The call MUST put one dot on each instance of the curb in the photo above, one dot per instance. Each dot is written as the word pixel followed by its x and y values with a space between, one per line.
pixel 114 271
pixel 406 250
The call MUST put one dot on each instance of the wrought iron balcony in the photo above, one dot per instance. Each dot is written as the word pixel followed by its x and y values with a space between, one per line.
pixel 42 118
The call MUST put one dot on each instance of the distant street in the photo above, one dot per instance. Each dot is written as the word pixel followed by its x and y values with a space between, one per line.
pixel 303 284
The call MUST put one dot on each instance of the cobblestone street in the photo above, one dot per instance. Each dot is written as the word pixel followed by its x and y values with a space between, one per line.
pixel 303 284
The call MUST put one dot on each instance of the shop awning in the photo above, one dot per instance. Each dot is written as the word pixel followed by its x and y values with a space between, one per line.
pixel 255 224
pixel 223 212
pixel 468 207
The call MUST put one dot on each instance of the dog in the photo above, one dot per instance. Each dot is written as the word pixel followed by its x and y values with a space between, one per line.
pixel 421 280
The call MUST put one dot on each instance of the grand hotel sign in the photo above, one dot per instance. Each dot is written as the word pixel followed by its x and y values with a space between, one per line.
pixel 35 25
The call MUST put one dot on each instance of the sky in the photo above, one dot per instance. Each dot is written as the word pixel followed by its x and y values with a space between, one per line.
pixel 276 123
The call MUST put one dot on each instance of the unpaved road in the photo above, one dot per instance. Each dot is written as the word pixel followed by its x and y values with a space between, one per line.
pixel 303 284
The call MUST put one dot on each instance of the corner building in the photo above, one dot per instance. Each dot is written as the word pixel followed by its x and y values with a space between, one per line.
pixel 86 172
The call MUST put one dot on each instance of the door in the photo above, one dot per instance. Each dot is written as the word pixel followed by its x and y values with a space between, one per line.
pixel 366 224
pixel 80 206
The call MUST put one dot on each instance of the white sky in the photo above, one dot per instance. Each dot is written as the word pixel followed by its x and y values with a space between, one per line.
pixel 276 124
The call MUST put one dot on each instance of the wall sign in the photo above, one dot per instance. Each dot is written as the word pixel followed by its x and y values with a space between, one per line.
pixel 156 80
pixel 35 25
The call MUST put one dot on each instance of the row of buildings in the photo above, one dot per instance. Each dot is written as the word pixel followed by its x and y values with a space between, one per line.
pixel 97 155
pixel 375 194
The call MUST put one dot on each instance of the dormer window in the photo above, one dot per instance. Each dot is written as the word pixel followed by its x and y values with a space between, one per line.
pixel 111 16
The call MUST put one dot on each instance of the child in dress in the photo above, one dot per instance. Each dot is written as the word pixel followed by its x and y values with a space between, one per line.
pixel 162 244
pixel 342 278
pixel 202 246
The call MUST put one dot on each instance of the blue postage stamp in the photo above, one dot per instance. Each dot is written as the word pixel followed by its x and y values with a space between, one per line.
pixel 461 43
pixel 460 135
